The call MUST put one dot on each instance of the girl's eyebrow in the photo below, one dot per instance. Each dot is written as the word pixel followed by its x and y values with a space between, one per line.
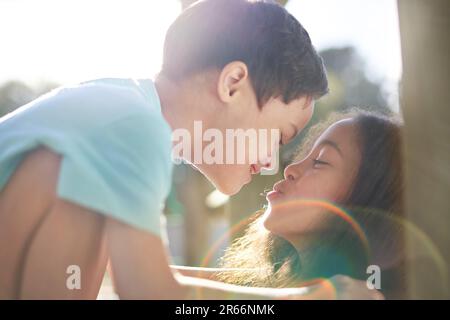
pixel 332 144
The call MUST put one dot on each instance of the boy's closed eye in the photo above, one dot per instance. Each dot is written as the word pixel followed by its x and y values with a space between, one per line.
pixel 285 138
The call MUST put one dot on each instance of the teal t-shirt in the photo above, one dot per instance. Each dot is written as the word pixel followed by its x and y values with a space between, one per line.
pixel 114 143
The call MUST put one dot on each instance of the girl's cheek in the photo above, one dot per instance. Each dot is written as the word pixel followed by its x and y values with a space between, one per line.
pixel 327 190
pixel 312 186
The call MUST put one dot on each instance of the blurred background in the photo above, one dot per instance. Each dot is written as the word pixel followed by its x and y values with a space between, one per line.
pixel 48 43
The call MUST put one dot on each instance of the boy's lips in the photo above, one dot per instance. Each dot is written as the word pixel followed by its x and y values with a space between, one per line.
pixel 254 169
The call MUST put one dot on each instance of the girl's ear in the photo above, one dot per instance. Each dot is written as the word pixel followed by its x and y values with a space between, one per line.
pixel 231 79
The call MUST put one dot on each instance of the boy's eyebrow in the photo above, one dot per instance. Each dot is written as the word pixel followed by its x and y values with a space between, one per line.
pixel 332 144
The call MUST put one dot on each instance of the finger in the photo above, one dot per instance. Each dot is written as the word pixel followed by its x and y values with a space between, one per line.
pixel 378 295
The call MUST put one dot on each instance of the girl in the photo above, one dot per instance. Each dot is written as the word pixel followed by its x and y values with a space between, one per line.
pixel 336 212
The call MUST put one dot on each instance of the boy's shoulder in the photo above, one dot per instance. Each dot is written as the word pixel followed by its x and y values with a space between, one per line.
pixel 110 99
pixel 127 99
pixel 120 89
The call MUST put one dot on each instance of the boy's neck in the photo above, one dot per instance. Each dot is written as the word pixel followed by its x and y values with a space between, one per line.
pixel 172 105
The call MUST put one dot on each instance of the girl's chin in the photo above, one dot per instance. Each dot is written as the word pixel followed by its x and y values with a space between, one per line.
pixel 273 228
pixel 270 221
pixel 278 222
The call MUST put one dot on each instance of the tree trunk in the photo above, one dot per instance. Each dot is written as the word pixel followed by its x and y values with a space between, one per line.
pixel 424 27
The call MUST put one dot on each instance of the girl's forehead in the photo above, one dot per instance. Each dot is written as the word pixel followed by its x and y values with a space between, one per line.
pixel 339 126
pixel 340 131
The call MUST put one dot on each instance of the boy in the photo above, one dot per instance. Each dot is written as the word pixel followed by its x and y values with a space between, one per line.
pixel 85 169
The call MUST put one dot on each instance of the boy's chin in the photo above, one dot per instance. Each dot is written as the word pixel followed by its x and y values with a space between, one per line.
pixel 228 189
pixel 228 182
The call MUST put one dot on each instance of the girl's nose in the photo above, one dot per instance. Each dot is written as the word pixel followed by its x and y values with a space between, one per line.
pixel 291 172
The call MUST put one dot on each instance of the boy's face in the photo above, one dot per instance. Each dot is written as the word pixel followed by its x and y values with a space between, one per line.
pixel 236 112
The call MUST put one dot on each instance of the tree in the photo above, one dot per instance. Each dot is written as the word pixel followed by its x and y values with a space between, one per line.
pixel 425 104
pixel 14 94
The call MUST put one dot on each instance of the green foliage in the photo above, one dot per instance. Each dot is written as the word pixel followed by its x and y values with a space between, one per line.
pixel 14 94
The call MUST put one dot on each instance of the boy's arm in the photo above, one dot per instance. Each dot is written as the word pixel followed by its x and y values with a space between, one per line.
pixel 141 270
pixel 197 272
pixel 200 272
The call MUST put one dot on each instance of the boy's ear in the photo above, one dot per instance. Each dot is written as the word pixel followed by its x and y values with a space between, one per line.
pixel 308 101
pixel 232 78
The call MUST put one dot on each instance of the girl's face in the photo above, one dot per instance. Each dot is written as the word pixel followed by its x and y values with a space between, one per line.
pixel 327 173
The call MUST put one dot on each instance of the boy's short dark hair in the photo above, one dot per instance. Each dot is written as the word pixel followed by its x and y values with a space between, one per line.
pixel 275 47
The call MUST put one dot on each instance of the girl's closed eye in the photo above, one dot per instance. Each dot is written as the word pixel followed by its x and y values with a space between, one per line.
pixel 321 159
pixel 319 163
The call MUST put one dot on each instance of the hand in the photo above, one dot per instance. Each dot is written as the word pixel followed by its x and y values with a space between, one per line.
pixel 343 288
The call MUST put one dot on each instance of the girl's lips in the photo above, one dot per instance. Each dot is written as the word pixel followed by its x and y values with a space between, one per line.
pixel 273 195
pixel 277 192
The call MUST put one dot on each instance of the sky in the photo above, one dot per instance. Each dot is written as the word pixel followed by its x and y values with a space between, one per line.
pixel 73 40
pixel 371 26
